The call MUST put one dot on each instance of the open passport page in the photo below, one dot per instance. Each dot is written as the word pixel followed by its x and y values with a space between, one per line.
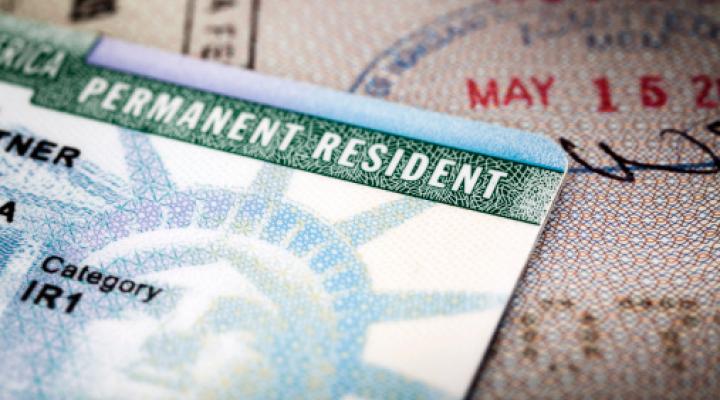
pixel 174 228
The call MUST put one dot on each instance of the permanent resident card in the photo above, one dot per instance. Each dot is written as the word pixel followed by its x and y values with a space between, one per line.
pixel 173 228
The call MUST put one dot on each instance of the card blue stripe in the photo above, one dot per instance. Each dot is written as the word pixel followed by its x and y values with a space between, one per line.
pixel 306 98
